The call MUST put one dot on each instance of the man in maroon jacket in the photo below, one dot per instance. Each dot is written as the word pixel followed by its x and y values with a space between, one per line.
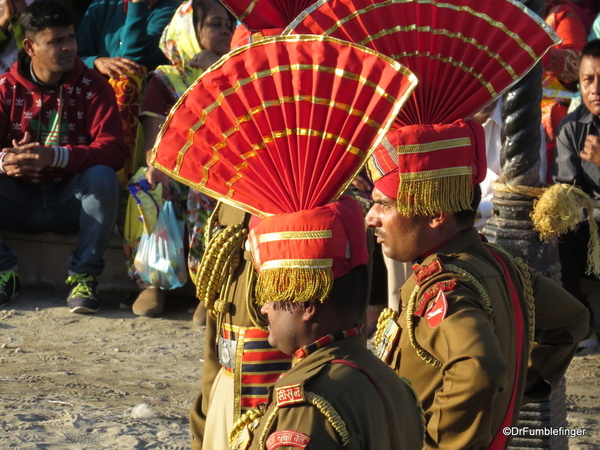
pixel 62 143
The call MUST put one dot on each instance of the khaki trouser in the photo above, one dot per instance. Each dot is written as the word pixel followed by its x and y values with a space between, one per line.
pixel 219 418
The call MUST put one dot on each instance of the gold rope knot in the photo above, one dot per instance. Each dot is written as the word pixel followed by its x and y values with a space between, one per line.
pixel 560 209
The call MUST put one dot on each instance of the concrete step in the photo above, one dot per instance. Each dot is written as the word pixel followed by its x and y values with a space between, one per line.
pixel 43 260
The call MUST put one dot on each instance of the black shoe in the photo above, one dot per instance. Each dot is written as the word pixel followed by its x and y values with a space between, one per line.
pixel 82 298
pixel 9 286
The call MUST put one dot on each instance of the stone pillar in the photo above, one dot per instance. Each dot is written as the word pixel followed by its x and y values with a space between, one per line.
pixel 511 227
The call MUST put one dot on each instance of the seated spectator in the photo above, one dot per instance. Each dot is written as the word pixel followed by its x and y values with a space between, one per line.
pixel 198 35
pixel 61 145
pixel 10 30
pixel 560 70
pixel 120 39
pixel 578 162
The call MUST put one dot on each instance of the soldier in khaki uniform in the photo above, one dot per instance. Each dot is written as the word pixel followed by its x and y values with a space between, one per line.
pixel 259 131
pixel 337 394
pixel 234 324
pixel 473 317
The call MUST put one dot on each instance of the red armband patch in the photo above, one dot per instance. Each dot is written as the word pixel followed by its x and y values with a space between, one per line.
pixel 432 292
pixel 287 438
pixel 437 310
pixel 424 273
pixel 289 395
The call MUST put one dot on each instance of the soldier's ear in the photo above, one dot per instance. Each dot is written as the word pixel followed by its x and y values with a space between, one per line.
pixel 438 220
pixel 310 310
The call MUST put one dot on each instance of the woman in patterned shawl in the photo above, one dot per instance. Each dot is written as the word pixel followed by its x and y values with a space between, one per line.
pixel 198 35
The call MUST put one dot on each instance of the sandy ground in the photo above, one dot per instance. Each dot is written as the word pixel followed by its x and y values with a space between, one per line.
pixel 71 381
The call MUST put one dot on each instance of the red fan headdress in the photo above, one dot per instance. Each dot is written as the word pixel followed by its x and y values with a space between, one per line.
pixel 465 54
pixel 279 128
pixel 266 14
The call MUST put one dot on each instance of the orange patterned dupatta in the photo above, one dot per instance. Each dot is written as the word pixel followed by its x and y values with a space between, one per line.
pixel 128 93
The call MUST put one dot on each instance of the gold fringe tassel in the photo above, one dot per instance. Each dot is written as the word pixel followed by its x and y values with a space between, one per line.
pixel 431 196
pixel 293 284
pixel 560 209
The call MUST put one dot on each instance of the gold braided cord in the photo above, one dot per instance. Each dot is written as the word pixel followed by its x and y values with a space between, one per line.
pixel 433 146
pixel 262 443
pixel 410 326
pixel 331 414
pixel 217 258
pixel 524 274
pixel 247 420
pixel 518 189
pixel 290 284
pixel 421 194
pixel 386 314
pixel 483 295
pixel 560 209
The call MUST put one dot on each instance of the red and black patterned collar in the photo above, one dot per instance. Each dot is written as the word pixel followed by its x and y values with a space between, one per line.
pixel 303 352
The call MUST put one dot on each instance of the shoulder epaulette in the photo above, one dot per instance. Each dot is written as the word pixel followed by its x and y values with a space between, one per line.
pixel 424 273
pixel 295 394
pixel 432 292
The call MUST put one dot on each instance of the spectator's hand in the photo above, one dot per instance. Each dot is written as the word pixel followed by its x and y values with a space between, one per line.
pixel 361 184
pixel 591 149
pixel 204 59
pixel 27 159
pixel 156 177
pixel 117 66
pixel 11 7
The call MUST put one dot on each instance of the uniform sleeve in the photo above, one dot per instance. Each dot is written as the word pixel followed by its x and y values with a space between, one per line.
pixel 561 322
pixel 297 426
pixel 105 131
pixel 142 31
pixel 474 372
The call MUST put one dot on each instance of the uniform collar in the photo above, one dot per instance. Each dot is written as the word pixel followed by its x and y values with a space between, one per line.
pixel 303 352
pixel 455 244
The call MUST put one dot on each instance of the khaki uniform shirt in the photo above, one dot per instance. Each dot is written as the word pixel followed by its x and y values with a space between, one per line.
pixel 323 405
pixel 459 344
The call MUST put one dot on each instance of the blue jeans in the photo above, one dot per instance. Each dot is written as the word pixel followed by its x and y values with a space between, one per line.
pixel 85 204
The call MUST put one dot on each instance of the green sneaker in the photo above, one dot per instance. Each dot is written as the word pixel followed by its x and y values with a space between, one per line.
pixel 9 286
pixel 82 298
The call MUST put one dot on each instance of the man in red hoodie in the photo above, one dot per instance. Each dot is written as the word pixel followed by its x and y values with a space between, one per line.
pixel 62 143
